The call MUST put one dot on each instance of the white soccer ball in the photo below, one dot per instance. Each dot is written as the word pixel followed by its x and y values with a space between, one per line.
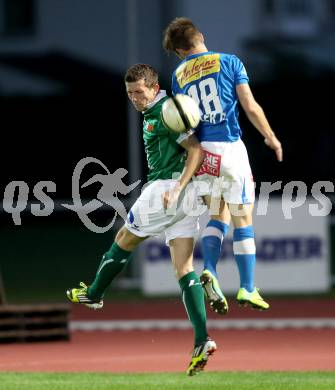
pixel 180 113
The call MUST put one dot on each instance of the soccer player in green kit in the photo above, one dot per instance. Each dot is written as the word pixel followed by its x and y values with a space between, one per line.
pixel 167 153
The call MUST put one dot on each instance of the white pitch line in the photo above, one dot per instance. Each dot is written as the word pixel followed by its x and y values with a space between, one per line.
pixel 282 323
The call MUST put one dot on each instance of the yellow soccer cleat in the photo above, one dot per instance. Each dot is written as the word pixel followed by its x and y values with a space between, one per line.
pixel 213 293
pixel 200 356
pixel 79 295
pixel 253 299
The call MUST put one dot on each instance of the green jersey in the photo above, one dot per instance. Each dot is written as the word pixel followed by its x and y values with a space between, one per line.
pixel 164 154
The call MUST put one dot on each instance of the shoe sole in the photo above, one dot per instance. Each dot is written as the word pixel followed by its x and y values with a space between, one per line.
pixel 201 364
pixel 246 303
pixel 94 306
pixel 216 303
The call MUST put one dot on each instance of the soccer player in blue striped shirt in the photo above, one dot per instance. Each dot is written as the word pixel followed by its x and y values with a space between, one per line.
pixel 217 82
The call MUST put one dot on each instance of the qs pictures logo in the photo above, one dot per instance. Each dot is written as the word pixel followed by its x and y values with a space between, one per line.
pixel 17 193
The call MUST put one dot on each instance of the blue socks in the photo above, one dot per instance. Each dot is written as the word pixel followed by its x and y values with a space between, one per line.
pixel 245 255
pixel 211 241
pixel 243 246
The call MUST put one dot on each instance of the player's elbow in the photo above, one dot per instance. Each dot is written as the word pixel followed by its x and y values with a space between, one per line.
pixel 253 110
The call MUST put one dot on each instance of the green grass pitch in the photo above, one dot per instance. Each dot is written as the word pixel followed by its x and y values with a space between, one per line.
pixel 169 381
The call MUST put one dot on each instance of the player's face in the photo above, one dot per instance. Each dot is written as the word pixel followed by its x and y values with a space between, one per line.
pixel 141 95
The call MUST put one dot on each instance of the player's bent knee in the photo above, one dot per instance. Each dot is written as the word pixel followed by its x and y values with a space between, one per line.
pixel 127 240
pixel 241 214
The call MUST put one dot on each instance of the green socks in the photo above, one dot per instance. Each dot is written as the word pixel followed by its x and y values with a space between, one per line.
pixel 114 261
pixel 194 301
pixel 111 265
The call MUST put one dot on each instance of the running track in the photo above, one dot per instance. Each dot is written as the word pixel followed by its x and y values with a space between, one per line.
pixel 305 348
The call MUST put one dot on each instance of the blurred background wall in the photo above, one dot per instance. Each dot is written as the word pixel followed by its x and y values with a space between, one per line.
pixel 62 99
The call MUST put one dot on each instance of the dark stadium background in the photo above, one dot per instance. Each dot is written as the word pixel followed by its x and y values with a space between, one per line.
pixel 43 136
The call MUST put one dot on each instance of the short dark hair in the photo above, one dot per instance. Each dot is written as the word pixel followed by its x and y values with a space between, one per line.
pixel 181 33
pixel 142 71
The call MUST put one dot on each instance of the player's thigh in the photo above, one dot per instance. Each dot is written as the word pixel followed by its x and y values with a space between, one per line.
pixel 187 227
pixel 180 237
pixel 238 186
pixel 235 183
pixel 218 209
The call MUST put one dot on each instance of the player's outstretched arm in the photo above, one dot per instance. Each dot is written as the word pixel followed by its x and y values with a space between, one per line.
pixel 195 157
pixel 257 117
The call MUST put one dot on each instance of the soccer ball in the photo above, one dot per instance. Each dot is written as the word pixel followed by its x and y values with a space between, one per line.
pixel 180 113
